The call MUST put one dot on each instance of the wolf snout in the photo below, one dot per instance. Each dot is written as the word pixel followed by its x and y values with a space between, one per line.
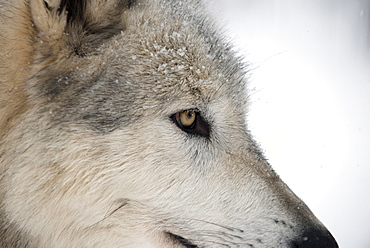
pixel 315 238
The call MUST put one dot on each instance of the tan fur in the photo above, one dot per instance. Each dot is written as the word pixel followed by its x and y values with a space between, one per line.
pixel 15 52
pixel 91 150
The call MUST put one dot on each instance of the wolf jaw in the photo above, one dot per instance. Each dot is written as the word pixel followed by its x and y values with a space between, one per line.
pixel 122 125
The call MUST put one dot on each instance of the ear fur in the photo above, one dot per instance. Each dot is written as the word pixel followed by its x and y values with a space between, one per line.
pixel 47 19
pixel 78 25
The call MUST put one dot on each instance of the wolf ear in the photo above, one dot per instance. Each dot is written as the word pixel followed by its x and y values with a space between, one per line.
pixel 81 25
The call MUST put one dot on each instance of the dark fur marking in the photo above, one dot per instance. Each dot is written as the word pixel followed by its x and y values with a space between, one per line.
pixel 12 236
pixel 85 34
pixel 105 111
pixel 75 9
pixel 186 243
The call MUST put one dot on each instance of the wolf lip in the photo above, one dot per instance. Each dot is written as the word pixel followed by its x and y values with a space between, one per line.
pixel 186 243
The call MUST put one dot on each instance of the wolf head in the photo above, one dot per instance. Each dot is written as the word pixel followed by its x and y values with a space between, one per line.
pixel 124 126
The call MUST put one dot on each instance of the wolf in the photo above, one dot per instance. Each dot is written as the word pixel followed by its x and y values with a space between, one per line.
pixel 123 125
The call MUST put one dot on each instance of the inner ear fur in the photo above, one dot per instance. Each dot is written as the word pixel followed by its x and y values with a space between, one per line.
pixel 48 21
pixel 78 25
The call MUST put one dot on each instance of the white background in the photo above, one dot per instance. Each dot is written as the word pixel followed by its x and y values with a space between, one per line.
pixel 310 101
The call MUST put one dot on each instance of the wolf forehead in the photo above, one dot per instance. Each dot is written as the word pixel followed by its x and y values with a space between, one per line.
pixel 152 54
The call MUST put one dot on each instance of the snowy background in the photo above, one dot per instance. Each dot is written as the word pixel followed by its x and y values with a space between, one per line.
pixel 310 101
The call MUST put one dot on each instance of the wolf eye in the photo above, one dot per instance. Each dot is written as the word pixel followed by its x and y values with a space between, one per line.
pixel 191 122
pixel 186 118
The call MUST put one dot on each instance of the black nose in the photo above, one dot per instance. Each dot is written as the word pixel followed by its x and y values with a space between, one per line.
pixel 315 238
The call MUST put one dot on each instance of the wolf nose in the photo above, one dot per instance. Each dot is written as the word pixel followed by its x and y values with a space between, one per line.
pixel 315 238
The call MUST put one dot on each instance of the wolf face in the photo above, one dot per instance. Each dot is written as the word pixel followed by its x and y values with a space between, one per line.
pixel 123 125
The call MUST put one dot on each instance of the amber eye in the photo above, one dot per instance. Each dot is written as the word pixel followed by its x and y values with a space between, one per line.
pixel 191 122
pixel 186 118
